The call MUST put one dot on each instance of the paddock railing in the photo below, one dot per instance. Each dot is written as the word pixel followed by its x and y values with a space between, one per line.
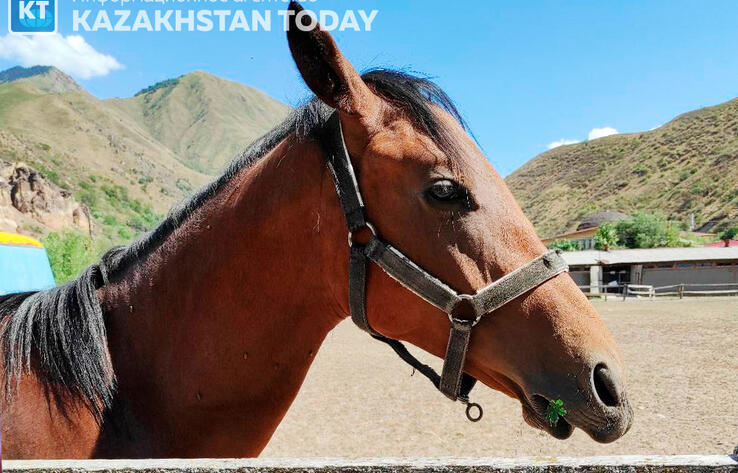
pixel 625 291
pixel 615 464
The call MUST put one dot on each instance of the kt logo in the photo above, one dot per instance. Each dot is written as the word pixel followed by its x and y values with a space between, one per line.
pixel 32 16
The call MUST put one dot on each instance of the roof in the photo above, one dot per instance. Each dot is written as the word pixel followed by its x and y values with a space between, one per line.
pixel 572 235
pixel 595 220
pixel 649 255
pixel 19 240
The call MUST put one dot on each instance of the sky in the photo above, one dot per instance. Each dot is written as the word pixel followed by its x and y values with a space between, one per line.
pixel 527 75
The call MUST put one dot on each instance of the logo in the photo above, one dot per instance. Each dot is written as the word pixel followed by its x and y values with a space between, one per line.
pixel 32 16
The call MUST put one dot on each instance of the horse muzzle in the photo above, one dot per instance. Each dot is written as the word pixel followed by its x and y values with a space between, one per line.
pixel 597 403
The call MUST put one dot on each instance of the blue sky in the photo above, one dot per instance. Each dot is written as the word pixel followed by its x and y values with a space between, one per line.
pixel 524 73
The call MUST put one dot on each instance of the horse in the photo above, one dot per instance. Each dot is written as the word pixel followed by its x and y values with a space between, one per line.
pixel 194 340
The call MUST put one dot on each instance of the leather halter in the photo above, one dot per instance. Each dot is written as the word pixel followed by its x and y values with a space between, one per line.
pixel 452 381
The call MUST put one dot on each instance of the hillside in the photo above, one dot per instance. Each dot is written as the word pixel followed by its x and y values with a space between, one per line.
pixel 44 78
pixel 203 119
pixel 689 165
pixel 106 157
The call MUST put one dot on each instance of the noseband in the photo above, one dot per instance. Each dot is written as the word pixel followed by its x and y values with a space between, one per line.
pixel 452 381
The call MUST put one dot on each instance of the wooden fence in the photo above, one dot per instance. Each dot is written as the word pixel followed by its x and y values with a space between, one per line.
pixel 625 291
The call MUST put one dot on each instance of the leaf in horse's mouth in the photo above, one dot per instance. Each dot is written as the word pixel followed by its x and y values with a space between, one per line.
pixel 554 411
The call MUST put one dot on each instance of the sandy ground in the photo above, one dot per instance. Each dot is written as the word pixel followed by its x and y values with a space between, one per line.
pixel 682 359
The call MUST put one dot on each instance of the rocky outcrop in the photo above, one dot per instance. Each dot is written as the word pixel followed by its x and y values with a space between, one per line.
pixel 26 195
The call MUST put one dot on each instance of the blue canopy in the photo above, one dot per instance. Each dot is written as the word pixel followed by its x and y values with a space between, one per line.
pixel 24 268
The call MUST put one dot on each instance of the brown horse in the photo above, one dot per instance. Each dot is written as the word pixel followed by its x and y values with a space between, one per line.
pixel 194 340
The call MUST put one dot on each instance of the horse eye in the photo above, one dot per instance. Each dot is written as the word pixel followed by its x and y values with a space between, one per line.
pixel 446 190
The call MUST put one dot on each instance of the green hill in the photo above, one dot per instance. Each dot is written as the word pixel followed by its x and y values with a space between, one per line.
pixel 44 78
pixel 121 158
pixel 687 166
pixel 203 119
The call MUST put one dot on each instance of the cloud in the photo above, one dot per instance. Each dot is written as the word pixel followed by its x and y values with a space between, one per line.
pixel 561 142
pixel 601 132
pixel 71 54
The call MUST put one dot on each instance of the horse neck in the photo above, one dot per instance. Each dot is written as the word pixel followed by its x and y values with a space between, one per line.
pixel 223 321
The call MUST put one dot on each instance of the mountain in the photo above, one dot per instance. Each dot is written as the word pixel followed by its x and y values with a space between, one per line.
pixel 687 166
pixel 113 156
pixel 44 78
pixel 203 119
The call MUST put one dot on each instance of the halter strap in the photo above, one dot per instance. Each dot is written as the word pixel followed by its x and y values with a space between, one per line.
pixel 452 381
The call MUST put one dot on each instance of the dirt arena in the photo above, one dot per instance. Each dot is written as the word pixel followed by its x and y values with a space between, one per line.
pixel 682 359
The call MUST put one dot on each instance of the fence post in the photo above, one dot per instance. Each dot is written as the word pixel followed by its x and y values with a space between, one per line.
pixel 625 292
pixel 681 291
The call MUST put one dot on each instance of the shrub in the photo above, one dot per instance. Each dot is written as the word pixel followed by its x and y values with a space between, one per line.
pixel 606 237
pixel 647 231
pixel 69 253
pixel 640 170
pixel 50 175
pixel 564 245
pixel 728 234
pixel 184 185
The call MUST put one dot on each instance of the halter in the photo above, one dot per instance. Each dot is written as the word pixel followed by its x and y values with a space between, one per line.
pixel 452 381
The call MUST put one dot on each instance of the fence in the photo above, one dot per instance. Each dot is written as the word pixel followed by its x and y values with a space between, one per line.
pixel 616 464
pixel 625 291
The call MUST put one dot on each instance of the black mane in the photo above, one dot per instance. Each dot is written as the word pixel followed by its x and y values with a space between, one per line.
pixel 60 334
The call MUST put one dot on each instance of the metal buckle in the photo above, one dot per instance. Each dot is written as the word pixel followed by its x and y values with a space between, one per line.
pixel 366 225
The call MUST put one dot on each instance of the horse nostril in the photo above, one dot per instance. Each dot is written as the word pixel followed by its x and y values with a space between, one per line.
pixel 605 386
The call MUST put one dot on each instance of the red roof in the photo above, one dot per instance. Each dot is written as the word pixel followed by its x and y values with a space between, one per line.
pixel 721 244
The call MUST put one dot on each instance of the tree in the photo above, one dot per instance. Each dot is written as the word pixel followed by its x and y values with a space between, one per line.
pixel 643 230
pixel 606 237
pixel 729 234
pixel 564 245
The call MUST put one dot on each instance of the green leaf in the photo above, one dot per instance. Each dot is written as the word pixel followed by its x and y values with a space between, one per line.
pixel 554 411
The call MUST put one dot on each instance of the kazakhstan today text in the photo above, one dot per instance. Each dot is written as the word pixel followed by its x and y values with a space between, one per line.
pixel 216 20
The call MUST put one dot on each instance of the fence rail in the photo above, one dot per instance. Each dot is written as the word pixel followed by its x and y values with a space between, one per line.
pixel 614 464
pixel 625 291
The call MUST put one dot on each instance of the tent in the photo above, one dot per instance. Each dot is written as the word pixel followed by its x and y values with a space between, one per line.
pixel 24 265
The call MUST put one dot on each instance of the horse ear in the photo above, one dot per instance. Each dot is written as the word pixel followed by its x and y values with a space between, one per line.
pixel 324 69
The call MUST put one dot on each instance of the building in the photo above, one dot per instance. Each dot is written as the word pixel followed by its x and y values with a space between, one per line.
pixel 24 265
pixel 653 266
pixel 584 234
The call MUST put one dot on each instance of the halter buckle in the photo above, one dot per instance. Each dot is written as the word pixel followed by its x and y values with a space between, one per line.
pixel 367 225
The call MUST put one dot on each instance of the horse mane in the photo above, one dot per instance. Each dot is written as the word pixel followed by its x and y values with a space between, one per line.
pixel 60 334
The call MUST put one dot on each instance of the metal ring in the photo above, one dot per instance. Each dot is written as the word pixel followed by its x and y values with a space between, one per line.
pixel 469 407
pixel 471 299
pixel 366 225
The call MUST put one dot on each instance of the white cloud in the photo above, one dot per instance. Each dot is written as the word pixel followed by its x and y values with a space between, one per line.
pixel 601 132
pixel 71 54
pixel 561 142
